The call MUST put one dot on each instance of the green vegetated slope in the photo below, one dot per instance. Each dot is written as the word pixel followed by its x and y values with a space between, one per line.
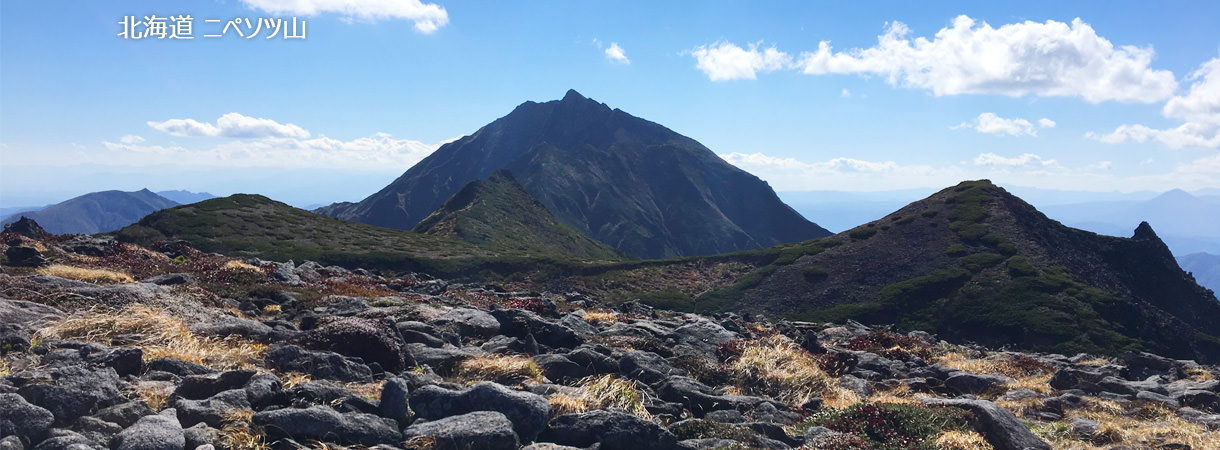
pixel 973 262
pixel 253 225
pixel 498 215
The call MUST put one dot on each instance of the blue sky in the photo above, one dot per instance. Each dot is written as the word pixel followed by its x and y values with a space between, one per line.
pixel 1096 96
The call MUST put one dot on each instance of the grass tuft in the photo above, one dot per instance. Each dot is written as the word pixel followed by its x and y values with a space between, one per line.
pixel 601 392
pixel 158 334
pixel 777 367
pixel 504 369
pixel 86 275
pixel 237 433
pixel 961 440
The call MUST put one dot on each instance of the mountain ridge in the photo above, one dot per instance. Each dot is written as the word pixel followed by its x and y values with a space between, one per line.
pixel 627 182
pixel 96 212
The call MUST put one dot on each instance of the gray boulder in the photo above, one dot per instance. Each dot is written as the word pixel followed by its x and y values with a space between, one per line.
pixel 704 335
pixel 320 365
pixel 998 425
pixel 479 430
pixel 78 392
pixel 155 432
pixel 470 322
pixel 644 366
pixel 973 384
pixel 393 402
pixel 611 430
pixel 20 418
pixel 30 314
pixel 325 424
pixel 125 414
pixel 528 412
pixel 197 387
pixel 212 410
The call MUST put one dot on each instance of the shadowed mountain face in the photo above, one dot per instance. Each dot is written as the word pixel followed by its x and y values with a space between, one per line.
pixel 627 182
pixel 973 262
pixel 1205 267
pixel 497 214
pixel 96 212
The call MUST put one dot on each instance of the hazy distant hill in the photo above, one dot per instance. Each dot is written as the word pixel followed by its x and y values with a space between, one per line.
pixel 627 182
pixel 974 262
pixel 186 197
pixel 1205 267
pixel 96 212
pixel 497 214
pixel 1187 223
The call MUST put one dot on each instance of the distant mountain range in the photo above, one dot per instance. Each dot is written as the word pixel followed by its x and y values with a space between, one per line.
pixel 186 197
pixel 1205 267
pixel 96 212
pixel 624 181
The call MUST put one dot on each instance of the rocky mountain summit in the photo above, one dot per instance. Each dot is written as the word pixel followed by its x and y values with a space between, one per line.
pixel 114 345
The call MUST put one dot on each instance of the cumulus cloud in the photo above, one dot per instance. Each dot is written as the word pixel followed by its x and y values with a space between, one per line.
pixel 1028 58
pixel 230 125
pixel 1025 160
pixel 131 139
pixel 427 17
pixel 1199 111
pixel 724 61
pixel 990 123
pixel 616 54
pixel 845 93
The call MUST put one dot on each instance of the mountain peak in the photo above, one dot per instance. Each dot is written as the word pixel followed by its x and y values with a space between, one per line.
pixel 1144 233
pixel 573 96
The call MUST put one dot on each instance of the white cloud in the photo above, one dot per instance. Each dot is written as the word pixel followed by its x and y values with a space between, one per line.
pixel 845 93
pixel 131 139
pixel 616 54
pixel 1028 58
pixel 230 125
pixel 427 17
pixel 725 61
pixel 990 123
pixel 1025 160
pixel 1199 110
pixel 377 152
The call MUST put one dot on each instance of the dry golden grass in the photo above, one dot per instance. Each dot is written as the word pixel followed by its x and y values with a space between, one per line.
pixel 156 397
pixel 1198 374
pixel 371 391
pixel 1095 361
pixel 158 334
pixel 1026 376
pixel 84 274
pixel 241 265
pixel 272 310
pixel 237 433
pixel 420 443
pixel 901 394
pixel 600 392
pixel 291 379
pixel 961 440
pixel 776 366
pixel 499 368
pixel 1133 425
pixel 607 317
pixel 838 397
pixel 5 368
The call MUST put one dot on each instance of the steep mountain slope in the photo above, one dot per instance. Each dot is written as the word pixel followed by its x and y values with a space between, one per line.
pixel 1205 267
pixel 96 212
pixel 497 214
pixel 252 225
pixel 627 182
pixel 973 262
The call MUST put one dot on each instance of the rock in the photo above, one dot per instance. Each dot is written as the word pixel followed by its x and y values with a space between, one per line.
pixel 888 368
pixel 64 439
pixel 99 432
pixel 973 384
pixel 528 412
pixel 999 426
pixel 704 335
pixel 369 339
pixel 14 337
pixel 125 414
pixel 860 386
pixel 559 368
pixel 325 424
pixel 443 360
pixel 479 430
pixel 27 227
pixel 11 442
pixel 578 324
pixel 393 402
pixel 1085 429
pixel 20 418
pixel 644 366
pixel 695 396
pixel 178 367
pixel 29 314
pixel 1158 398
pixel 77 392
pixel 318 364
pixel 198 387
pixel 521 323
pixel 172 279
pixel 612 430
pixel 212 410
pixel 593 361
pixel 725 416
pixel 470 322
pixel 200 435
pixel 318 392
pixel 1072 378
pixel 1205 400
pixel 155 432
pixel 124 361
pixel 411 336
pixel 265 389
pixel 1141 365
pixel 231 325
pixel 25 256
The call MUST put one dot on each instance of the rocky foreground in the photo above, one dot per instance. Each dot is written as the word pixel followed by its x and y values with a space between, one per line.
pixel 110 345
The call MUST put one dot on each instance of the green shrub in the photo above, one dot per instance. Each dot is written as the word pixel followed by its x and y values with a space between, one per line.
pixel 979 261
pixel 814 274
pixel 956 250
pixel 861 234
pixel 1019 267
pixel 891 426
